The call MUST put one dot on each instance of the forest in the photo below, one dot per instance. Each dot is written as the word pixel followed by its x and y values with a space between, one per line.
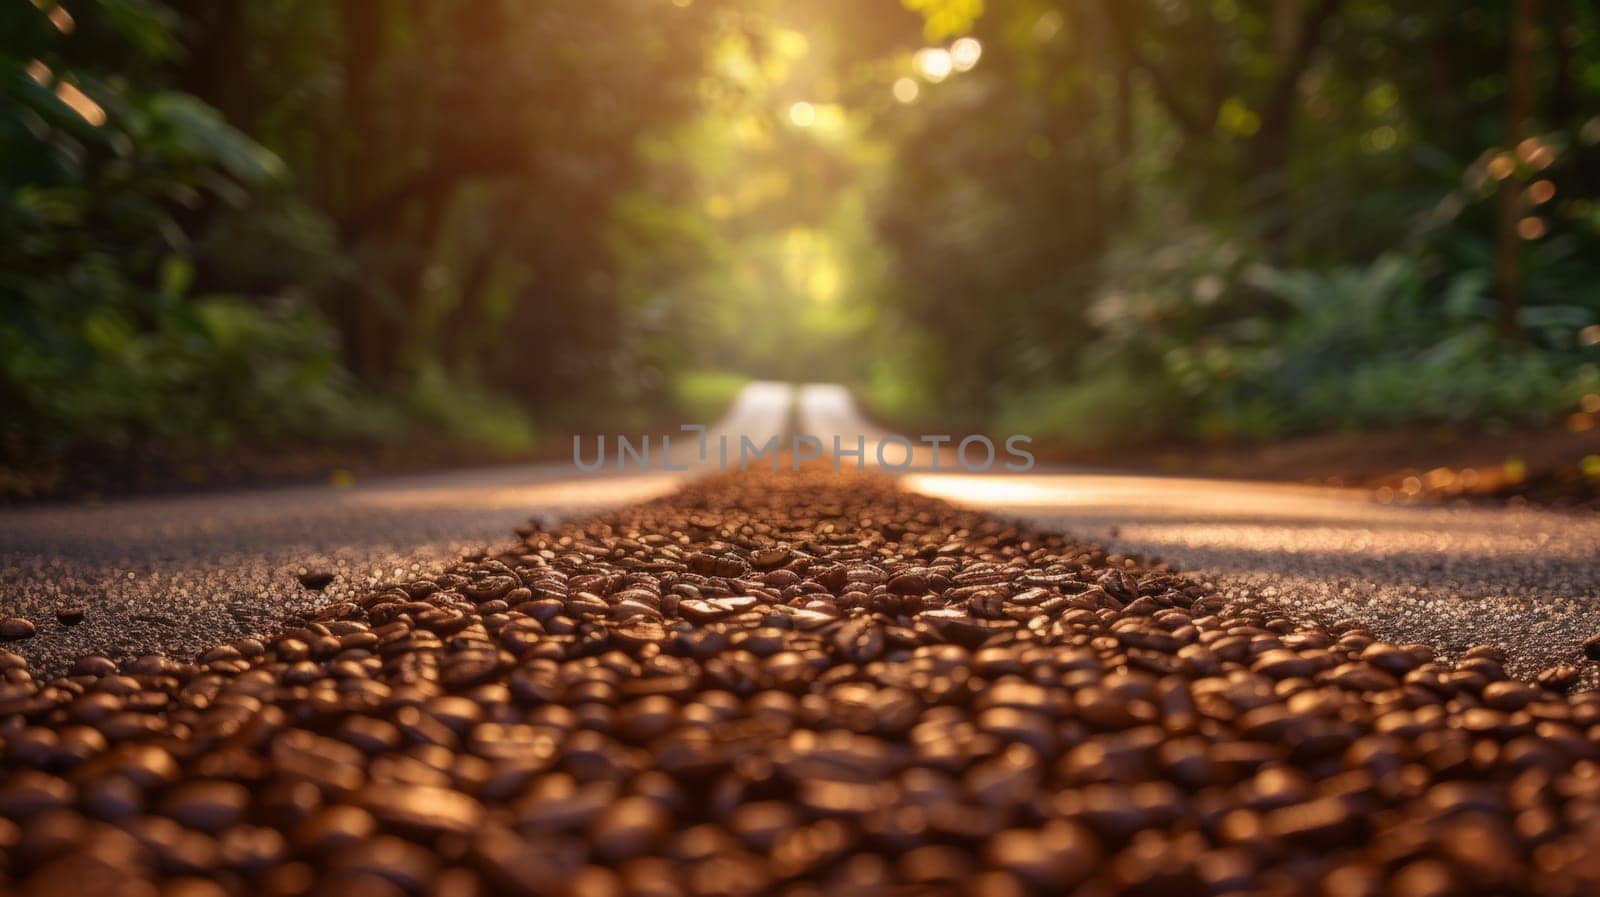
pixel 476 228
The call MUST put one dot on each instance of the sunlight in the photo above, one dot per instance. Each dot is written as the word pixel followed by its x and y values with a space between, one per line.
pixel 933 64
pixel 965 53
pixel 811 265
pixel 59 18
pixel 88 109
pixel 802 114
pixel 906 90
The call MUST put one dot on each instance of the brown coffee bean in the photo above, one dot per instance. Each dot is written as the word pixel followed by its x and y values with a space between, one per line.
pixel 334 828
pixel 422 809
pixel 800 684
pixel 1059 855
pixel 1560 677
pixel 206 805
pixel 30 793
pixel 629 828
pixel 1591 647
pixel 316 579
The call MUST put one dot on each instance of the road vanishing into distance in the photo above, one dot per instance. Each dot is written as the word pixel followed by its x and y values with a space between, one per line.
pixel 181 573
pixel 544 683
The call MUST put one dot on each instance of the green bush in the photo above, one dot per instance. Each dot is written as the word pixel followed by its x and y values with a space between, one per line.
pixel 1230 347
pixel 1100 411
pixel 104 346
pixel 704 396
pixel 106 228
pixel 466 414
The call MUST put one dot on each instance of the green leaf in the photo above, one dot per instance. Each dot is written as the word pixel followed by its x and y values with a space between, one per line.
pixel 177 274
pixel 203 133
pixel 17 86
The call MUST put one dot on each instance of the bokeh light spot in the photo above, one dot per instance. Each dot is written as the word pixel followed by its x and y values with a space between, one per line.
pixel 965 53
pixel 88 109
pixel 933 64
pixel 1048 26
pixel 1535 154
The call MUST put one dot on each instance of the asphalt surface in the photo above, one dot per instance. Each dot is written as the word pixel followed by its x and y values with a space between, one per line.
pixel 180 574
pixel 1524 580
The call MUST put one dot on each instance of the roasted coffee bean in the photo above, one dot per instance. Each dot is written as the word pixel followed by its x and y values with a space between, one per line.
pixel 1560 677
pixel 334 828
pixel 800 683
pixel 206 805
pixel 316 579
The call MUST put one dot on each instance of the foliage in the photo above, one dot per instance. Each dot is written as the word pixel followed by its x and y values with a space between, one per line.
pixel 1140 220
pixel 169 282
pixel 481 421
pixel 1233 347
pixel 1119 220
pixel 702 397
pixel 103 340
pixel 1104 409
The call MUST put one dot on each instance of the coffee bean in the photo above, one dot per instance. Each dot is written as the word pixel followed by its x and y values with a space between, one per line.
pixel 1059 855
pixel 206 805
pixel 1282 663
pixel 767 558
pixel 334 828
pixel 316 579
pixel 408 867
pixel 16 628
pixel 800 684
pixel 630 827
pixel 1560 677
pixel 424 810
pixel 30 793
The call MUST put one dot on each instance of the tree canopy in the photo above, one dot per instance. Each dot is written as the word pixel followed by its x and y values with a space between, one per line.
pixel 297 220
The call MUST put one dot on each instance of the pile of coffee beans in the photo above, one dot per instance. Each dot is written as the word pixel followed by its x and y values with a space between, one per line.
pixel 798 684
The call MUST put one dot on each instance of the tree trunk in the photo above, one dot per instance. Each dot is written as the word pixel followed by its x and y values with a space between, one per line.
pixel 214 70
pixel 1268 157
pixel 1508 243
pixel 1127 189
pixel 1563 94
pixel 360 313
pixel 1195 125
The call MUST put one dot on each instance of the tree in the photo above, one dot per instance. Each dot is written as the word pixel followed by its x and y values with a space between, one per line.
pixel 1519 104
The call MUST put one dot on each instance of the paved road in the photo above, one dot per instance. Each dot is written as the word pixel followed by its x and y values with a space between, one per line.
pixel 1524 580
pixel 1453 577
pixel 181 573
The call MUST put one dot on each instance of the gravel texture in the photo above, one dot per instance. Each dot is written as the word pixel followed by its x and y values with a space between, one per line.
pixel 1521 579
pixel 182 574
pixel 1524 580
pixel 179 574
pixel 799 684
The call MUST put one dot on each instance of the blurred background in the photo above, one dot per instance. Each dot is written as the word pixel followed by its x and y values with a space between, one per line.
pixel 302 234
